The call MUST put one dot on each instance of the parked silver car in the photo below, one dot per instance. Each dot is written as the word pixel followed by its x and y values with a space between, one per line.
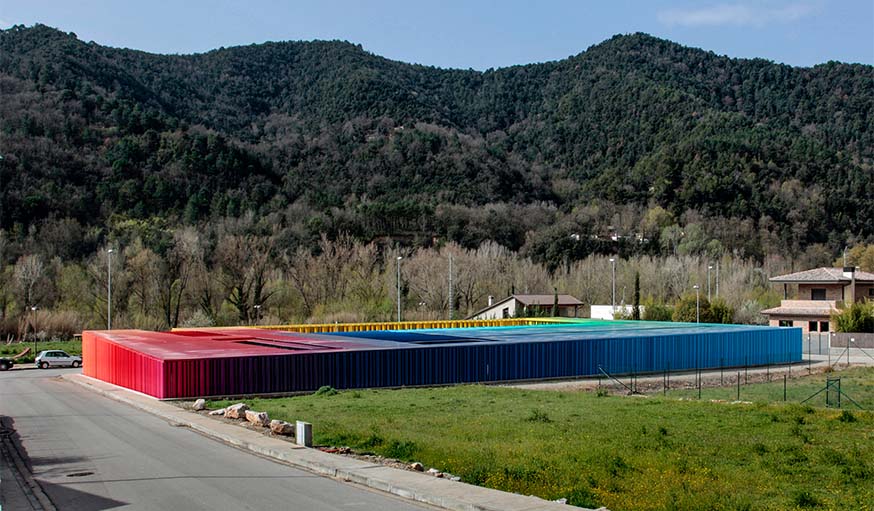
pixel 57 358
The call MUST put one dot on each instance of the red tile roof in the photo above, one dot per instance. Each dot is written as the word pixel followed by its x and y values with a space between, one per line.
pixel 823 275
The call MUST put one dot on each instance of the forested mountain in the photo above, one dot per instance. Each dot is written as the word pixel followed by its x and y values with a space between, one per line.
pixel 637 144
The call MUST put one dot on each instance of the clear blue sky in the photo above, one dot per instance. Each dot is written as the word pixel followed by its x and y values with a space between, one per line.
pixel 474 33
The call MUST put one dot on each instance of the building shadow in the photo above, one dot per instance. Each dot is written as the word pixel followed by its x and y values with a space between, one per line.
pixel 62 496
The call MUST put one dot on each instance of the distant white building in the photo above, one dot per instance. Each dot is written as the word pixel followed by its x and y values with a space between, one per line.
pixel 529 305
pixel 607 311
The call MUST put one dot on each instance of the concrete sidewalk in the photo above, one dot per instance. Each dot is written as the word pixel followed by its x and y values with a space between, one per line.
pixel 416 486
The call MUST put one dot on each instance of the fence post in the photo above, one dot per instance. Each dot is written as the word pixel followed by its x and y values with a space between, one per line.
pixel 851 341
pixel 809 362
pixel 721 370
pixel 784 388
pixel 699 384
pixel 669 375
pixel 738 385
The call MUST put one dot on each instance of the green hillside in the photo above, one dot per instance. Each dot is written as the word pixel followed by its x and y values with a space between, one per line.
pixel 631 136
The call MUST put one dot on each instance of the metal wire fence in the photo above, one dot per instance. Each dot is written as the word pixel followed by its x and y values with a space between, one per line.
pixel 806 381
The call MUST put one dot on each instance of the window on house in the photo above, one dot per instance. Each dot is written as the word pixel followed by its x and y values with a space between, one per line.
pixel 871 292
pixel 785 322
pixel 505 312
pixel 823 326
pixel 811 326
pixel 817 294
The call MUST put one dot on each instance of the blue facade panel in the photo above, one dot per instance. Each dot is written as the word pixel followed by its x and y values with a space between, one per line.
pixel 505 354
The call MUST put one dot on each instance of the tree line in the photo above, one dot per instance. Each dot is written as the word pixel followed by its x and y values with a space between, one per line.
pixel 243 270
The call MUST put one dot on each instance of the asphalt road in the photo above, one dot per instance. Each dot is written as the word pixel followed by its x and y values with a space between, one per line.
pixel 92 453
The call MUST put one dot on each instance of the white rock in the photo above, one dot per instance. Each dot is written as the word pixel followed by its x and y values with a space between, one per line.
pixel 434 472
pixel 199 405
pixel 220 412
pixel 561 501
pixel 281 427
pixel 258 418
pixel 417 466
pixel 455 478
pixel 237 411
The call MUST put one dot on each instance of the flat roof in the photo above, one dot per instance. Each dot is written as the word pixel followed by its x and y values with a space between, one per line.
pixel 250 342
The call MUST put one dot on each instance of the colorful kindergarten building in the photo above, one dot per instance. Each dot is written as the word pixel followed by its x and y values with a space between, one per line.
pixel 288 359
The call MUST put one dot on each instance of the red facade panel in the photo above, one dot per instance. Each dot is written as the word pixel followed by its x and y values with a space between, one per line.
pixel 104 360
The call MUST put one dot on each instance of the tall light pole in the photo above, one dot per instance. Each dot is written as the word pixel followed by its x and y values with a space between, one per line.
pixel 109 288
pixel 613 294
pixel 697 303
pixel 399 288
pixel 709 267
pixel 33 309
pixel 717 279
pixel 450 286
pixel 257 314
pixel 1 184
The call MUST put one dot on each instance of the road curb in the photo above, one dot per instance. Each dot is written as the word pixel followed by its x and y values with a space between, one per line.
pixel 442 493
pixel 30 487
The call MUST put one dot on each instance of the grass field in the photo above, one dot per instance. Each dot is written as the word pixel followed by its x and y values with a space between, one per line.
pixel 626 453
pixel 10 350
pixel 856 384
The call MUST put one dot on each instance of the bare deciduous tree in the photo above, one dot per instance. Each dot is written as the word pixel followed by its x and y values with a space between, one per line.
pixel 28 272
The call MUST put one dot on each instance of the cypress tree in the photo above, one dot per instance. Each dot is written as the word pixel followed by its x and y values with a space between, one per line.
pixel 635 313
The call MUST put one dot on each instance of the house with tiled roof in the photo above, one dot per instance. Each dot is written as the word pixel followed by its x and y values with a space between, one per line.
pixel 529 305
pixel 817 294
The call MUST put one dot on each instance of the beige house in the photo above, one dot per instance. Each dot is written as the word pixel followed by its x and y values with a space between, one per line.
pixel 819 292
pixel 533 305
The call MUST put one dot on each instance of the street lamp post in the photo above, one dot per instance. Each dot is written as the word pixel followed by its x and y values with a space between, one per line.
pixel 697 303
pixel 450 286
pixel 109 288
pixel 709 267
pixel 717 279
pixel 613 287
pixel 33 309
pixel 1 203
pixel 399 288
pixel 257 314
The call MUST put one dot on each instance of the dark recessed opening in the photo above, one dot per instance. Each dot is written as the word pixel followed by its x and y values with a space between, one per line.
pixel 443 341
pixel 286 345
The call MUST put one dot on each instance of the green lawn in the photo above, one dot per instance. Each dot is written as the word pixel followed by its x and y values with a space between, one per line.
pixel 73 347
pixel 626 453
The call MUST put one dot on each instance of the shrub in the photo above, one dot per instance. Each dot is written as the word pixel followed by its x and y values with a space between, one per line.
pixel 721 312
pixel 750 313
pixel 686 309
pixel 856 318
pixel 653 311
pixel 326 390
